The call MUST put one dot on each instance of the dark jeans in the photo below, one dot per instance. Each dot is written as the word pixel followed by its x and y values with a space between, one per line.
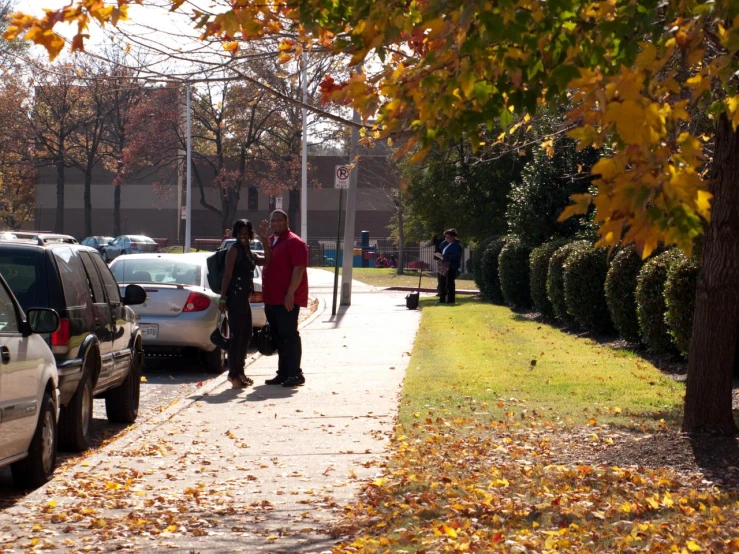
pixel 284 326
pixel 440 283
pixel 240 329
pixel 448 287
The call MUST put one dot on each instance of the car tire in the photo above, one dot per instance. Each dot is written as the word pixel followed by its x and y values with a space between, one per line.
pixel 76 417
pixel 123 252
pixel 38 468
pixel 105 256
pixel 122 402
pixel 215 360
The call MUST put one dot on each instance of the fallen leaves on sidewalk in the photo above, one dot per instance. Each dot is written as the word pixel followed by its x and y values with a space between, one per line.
pixel 468 484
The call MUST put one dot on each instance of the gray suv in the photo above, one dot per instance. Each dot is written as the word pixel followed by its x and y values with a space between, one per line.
pixel 98 346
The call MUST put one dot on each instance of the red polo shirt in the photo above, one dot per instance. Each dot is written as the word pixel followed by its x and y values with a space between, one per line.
pixel 288 252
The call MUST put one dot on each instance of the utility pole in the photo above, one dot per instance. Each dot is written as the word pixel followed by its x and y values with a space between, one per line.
pixel 188 194
pixel 349 222
pixel 304 188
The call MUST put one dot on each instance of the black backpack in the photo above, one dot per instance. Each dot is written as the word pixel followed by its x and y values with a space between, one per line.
pixel 216 263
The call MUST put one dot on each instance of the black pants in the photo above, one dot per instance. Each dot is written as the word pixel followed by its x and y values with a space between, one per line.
pixel 240 329
pixel 448 286
pixel 284 326
pixel 440 283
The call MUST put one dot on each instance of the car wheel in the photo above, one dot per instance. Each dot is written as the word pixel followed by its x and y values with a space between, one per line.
pixel 123 252
pixel 75 418
pixel 215 360
pixel 122 402
pixel 38 467
pixel 105 256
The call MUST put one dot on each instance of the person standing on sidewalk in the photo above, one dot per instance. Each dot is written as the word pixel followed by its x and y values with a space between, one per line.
pixel 237 286
pixel 451 259
pixel 285 291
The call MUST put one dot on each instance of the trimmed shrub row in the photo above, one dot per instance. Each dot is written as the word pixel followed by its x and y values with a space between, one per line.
pixel 513 270
pixel 575 282
pixel 585 271
pixel 682 279
pixel 620 288
pixel 539 271
pixel 489 283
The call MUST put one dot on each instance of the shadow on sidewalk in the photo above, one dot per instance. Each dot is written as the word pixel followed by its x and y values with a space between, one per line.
pixel 258 393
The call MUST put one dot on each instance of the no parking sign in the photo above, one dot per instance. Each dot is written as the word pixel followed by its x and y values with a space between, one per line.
pixel 341 177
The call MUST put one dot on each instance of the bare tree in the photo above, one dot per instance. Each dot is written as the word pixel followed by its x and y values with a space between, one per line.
pixel 57 115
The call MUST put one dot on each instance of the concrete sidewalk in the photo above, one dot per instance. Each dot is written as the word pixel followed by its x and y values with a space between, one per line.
pixel 262 469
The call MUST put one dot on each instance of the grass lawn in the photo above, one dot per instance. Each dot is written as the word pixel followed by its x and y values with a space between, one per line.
pixel 495 453
pixel 387 277
pixel 488 354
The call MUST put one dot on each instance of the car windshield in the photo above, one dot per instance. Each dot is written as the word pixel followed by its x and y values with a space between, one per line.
pixel 137 238
pixel 160 270
pixel 253 244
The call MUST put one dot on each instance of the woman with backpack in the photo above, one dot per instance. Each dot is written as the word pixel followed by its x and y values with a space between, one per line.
pixel 237 286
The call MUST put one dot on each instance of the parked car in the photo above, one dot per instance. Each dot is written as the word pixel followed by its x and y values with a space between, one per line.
pixel 97 242
pixel 98 346
pixel 181 310
pixel 254 244
pixel 128 244
pixel 29 392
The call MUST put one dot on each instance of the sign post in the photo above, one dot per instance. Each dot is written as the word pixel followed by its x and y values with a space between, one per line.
pixel 341 182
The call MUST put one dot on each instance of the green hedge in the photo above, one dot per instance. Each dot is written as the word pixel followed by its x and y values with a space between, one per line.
pixel 489 281
pixel 585 271
pixel 513 270
pixel 650 301
pixel 620 288
pixel 476 258
pixel 682 279
pixel 555 280
pixel 538 271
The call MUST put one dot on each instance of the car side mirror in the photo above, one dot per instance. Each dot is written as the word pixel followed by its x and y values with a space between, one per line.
pixel 135 294
pixel 42 320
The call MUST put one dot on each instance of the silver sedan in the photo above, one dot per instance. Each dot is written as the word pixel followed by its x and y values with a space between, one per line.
pixel 181 310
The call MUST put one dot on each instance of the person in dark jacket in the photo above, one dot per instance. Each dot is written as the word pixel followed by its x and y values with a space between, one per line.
pixel 451 260
pixel 237 286
pixel 438 242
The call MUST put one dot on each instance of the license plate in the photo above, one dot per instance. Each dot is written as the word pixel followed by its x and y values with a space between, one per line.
pixel 149 330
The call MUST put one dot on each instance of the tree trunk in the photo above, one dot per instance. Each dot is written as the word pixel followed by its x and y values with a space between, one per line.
pixel 713 345
pixel 88 202
pixel 116 209
pixel 293 209
pixel 59 223
pixel 401 242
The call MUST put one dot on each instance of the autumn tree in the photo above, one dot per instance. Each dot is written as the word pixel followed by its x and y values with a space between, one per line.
pixel 87 146
pixel 634 72
pixel 57 114
pixel 17 170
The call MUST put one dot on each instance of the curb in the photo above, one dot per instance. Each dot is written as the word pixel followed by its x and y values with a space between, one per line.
pixel 467 292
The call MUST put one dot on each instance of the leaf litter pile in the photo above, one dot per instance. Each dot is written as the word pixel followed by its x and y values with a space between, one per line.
pixel 462 481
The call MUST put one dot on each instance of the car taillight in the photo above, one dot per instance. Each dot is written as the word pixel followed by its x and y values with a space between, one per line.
pixel 196 302
pixel 134 246
pixel 256 298
pixel 60 337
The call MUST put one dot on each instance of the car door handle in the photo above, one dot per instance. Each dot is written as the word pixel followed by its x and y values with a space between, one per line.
pixel 5 354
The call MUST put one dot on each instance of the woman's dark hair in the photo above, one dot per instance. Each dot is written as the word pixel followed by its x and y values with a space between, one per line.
pixel 452 232
pixel 238 225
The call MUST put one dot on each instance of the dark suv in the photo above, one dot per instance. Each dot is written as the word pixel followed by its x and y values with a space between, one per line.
pixel 97 345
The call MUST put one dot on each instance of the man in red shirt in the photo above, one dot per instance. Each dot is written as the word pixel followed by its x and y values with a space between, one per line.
pixel 285 291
